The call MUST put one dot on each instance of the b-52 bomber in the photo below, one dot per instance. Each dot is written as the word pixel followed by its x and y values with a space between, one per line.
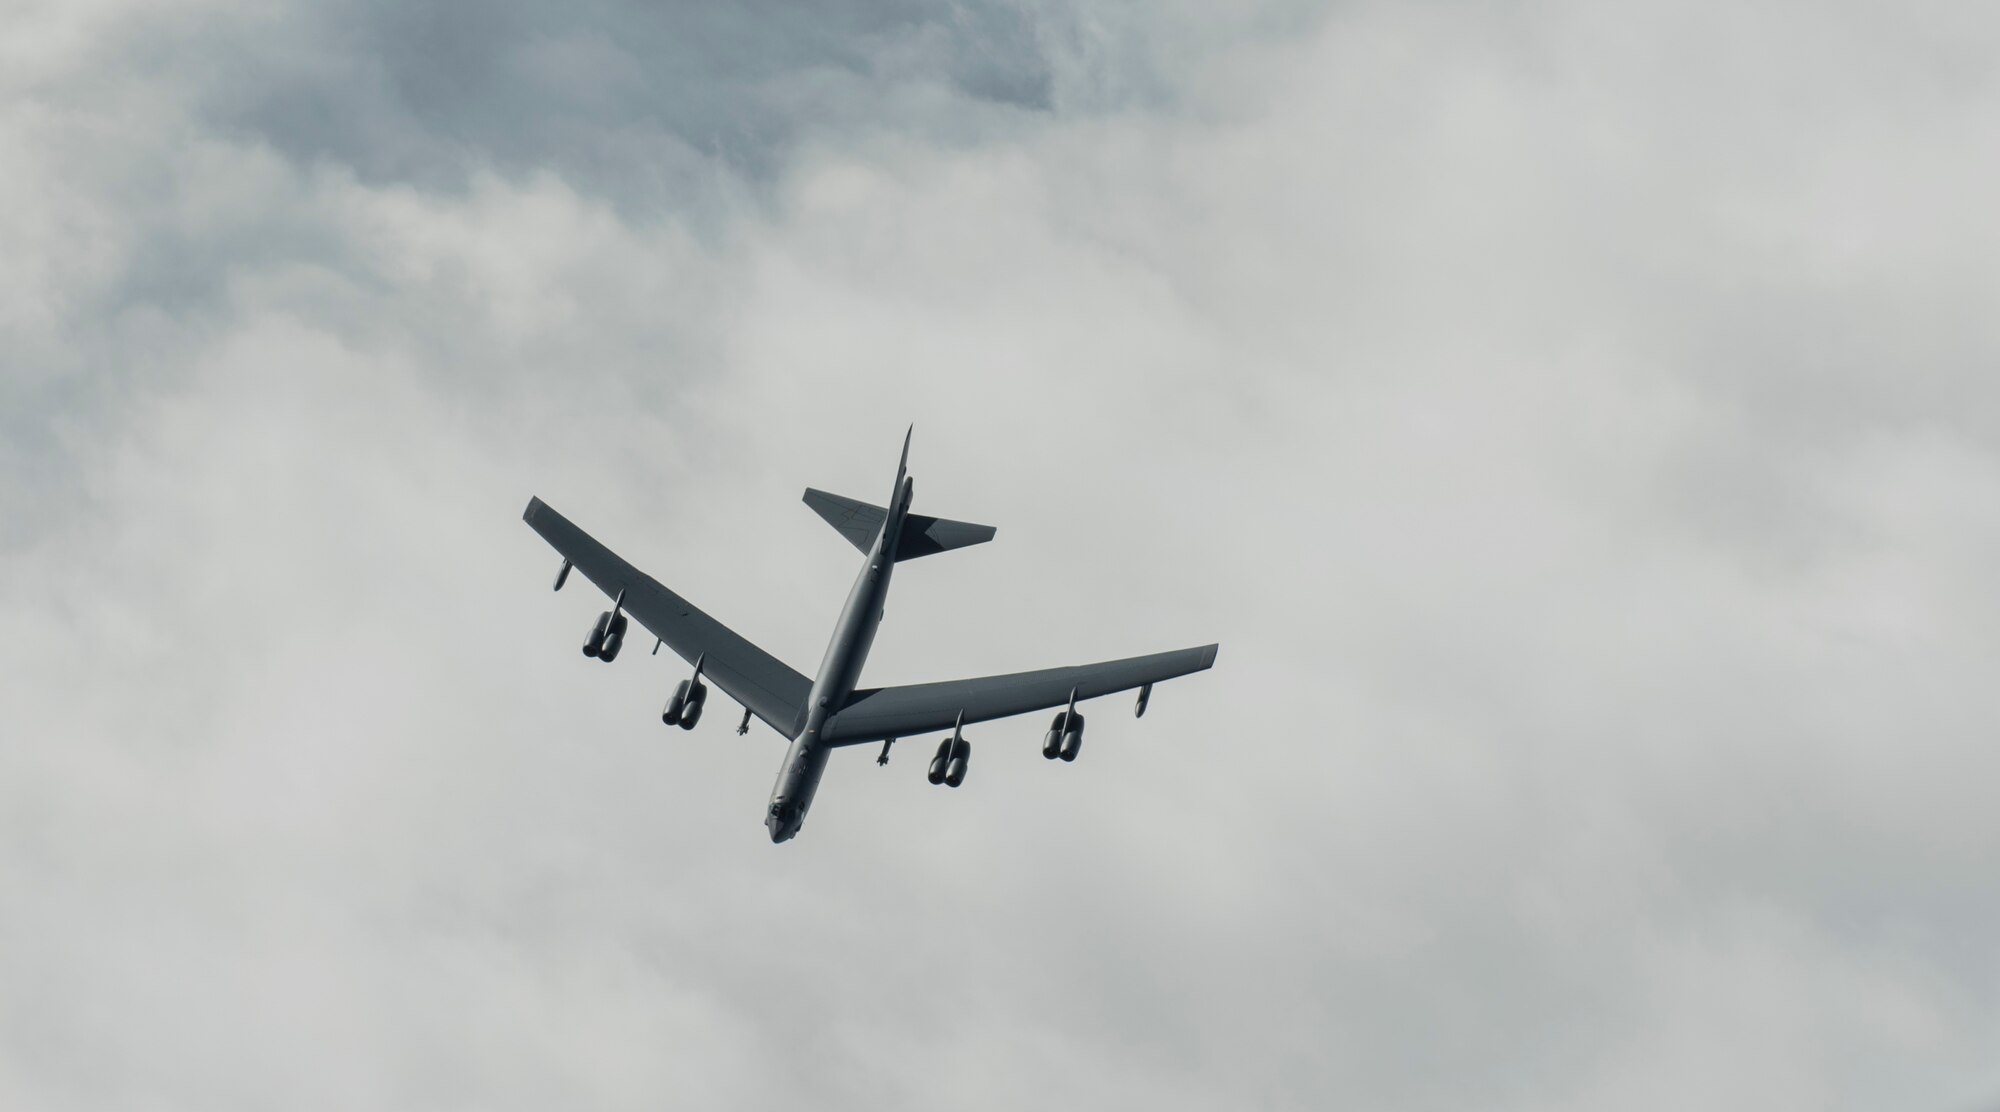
pixel 830 712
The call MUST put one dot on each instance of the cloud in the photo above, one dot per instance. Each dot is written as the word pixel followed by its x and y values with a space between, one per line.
pixel 645 103
pixel 1568 421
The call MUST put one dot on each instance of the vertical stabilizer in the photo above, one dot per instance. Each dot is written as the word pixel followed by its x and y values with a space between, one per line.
pixel 902 465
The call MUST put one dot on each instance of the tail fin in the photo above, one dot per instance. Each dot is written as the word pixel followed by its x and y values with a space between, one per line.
pixel 923 535
pixel 903 465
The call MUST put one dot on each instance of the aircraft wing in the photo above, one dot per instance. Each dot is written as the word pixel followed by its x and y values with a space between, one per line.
pixel 880 712
pixel 763 683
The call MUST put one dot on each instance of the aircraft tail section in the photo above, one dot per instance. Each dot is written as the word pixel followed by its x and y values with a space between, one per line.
pixel 923 535
pixel 858 521
pixel 861 522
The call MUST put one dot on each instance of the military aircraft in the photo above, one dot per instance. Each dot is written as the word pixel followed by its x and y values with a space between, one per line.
pixel 830 712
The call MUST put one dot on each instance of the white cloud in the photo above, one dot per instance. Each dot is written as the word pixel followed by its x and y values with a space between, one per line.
pixel 1569 422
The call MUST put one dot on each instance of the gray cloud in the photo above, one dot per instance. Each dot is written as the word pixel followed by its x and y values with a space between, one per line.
pixel 1569 421
pixel 643 102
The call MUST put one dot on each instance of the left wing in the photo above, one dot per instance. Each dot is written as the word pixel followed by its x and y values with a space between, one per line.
pixel 881 712
pixel 763 683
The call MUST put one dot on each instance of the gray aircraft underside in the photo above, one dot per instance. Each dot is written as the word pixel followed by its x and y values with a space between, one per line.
pixel 825 713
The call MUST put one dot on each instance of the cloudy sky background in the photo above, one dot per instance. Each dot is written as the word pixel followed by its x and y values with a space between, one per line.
pixel 1575 421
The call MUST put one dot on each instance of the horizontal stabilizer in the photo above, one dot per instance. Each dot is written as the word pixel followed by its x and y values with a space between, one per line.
pixel 859 522
pixel 924 535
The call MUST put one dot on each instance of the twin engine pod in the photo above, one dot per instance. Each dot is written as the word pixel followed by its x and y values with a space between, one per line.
pixel 684 709
pixel 606 637
pixel 1065 736
pixel 948 767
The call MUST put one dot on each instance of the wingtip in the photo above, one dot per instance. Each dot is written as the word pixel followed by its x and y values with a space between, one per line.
pixel 1208 655
pixel 534 504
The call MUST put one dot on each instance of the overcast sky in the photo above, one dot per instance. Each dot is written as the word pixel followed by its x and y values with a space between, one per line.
pixel 1576 421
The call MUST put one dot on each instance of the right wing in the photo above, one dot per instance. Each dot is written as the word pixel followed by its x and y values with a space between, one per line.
pixel 882 712
pixel 763 683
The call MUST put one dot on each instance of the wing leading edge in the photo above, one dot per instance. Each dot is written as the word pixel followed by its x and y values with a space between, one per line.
pixel 763 683
pixel 881 712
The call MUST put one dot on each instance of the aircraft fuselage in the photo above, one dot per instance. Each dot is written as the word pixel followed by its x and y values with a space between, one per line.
pixel 839 673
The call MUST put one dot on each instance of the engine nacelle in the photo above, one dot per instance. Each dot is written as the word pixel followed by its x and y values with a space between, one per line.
pixel 1052 741
pixel 1072 738
pixel 697 698
pixel 676 705
pixel 938 762
pixel 593 645
pixel 614 639
pixel 954 769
